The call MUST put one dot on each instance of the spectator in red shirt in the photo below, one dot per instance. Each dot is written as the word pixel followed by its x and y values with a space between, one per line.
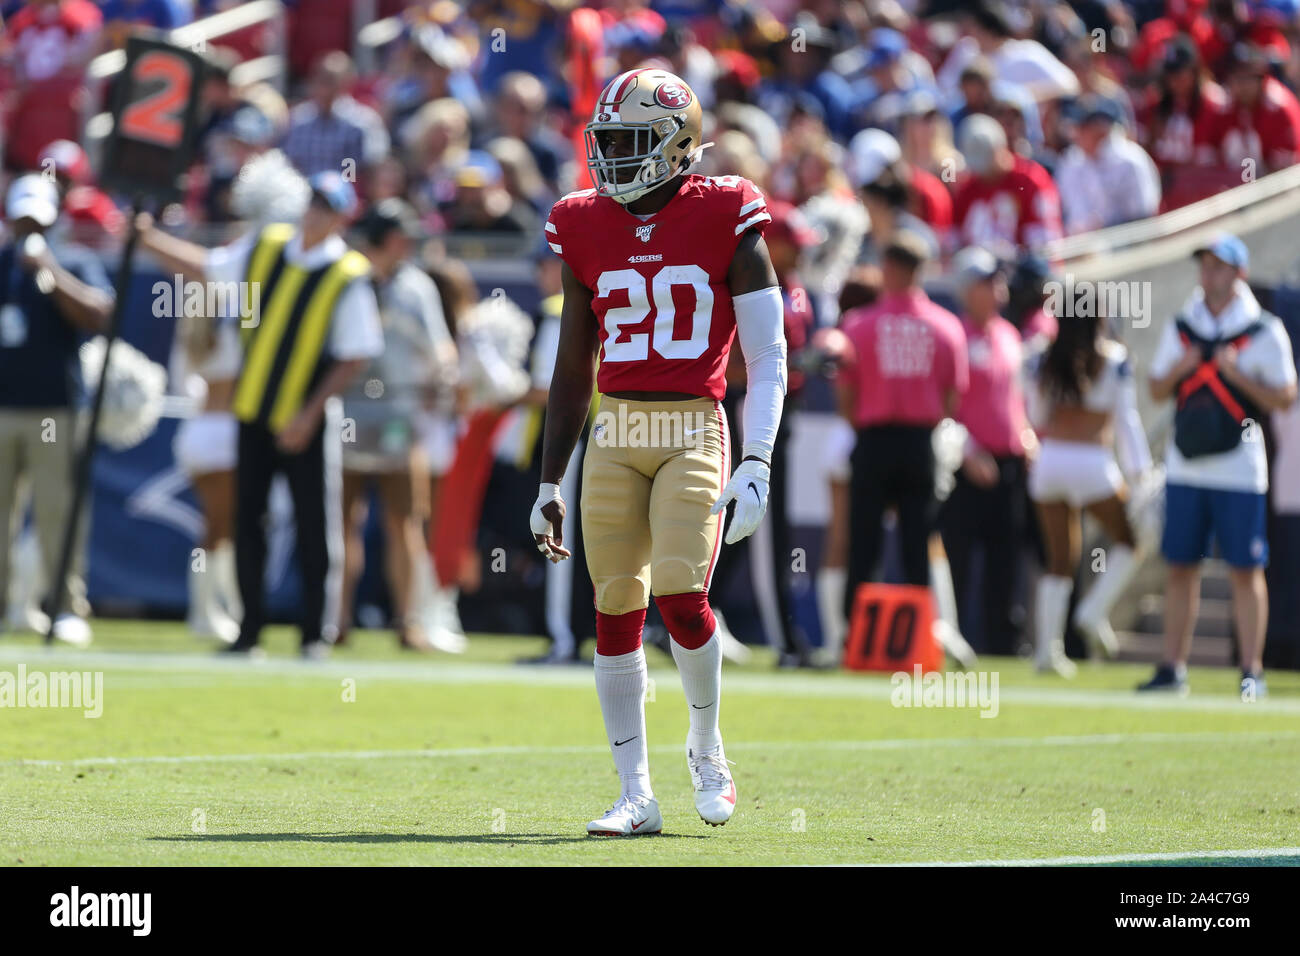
pixel 919 130
pixel 1178 122
pixel 1182 17
pixel 52 40
pixel 1260 131
pixel 987 509
pixel 904 372
pixel 1235 21
pixel 1008 202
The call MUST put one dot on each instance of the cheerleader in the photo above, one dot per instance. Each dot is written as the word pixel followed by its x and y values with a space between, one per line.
pixel 205 448
pixel 1081 399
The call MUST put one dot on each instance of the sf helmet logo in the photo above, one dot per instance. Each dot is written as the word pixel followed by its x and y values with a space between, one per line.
pixel 674 96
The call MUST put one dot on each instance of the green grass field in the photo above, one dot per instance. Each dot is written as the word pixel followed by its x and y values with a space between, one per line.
pixel 477 760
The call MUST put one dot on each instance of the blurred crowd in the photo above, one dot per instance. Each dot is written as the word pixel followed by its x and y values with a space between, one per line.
pixel 999 125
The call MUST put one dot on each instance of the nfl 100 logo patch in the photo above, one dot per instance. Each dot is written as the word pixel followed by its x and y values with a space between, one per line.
pixel 643 232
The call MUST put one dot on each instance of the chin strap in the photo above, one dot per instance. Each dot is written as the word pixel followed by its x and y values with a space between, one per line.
pixel 694 157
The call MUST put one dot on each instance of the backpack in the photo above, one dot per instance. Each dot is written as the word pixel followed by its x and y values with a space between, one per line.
pixel 1211 413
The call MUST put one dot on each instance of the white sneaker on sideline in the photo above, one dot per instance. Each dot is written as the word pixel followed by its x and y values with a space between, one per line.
pixel 630 816
pixel 215 624
pixel 72 630
pixel 1056 661
pixel 1099 636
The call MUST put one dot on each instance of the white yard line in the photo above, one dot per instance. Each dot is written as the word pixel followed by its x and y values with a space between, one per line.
pixel 1253 854
pixel 845 687
pixel 737 748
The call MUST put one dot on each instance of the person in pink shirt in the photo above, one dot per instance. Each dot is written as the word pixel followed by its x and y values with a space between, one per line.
pixel 904 371
pixel 988 509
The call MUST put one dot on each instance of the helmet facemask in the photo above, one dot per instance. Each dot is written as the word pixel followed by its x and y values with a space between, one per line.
pixel 628 178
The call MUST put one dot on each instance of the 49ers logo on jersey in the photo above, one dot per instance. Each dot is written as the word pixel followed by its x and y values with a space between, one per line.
pixel 673 96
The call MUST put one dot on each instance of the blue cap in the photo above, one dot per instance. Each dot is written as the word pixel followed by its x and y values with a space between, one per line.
pixel 1227 248
pixel 250 125
pixel 335 190
pixel 1086 108
pixel 885 47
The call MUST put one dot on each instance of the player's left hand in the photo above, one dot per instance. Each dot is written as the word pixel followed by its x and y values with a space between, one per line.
pixel 748 489
pixel 547 522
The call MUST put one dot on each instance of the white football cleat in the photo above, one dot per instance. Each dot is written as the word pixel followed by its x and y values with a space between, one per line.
pixel 630 816
pixel 715 791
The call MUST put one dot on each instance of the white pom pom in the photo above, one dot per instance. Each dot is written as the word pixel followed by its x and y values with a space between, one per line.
pixel 495 335
pixel 269 189
pixel 133 392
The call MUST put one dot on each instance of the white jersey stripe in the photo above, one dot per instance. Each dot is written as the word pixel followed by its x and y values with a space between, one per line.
pixel 753 220
pixel 751 206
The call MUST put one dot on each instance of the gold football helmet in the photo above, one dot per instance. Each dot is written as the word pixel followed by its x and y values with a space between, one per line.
pixel 663 117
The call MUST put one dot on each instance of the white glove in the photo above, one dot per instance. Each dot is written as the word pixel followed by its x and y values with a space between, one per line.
pixel 748 489
pixel 550 543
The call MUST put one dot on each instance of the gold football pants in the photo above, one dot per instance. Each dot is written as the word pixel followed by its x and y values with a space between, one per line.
pixel 651 473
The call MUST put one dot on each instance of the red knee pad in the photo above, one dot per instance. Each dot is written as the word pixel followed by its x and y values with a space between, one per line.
pixel 618 633
pixel 688 617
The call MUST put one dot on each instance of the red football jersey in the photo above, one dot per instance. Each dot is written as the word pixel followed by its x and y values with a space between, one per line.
pixel 659 285
pixel 1018 209
pixel 1269 134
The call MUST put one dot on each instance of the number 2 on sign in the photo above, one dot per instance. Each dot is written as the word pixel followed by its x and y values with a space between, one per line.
pixel 156 118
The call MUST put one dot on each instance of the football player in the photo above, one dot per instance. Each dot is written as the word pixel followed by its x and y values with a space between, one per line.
pixel 662 269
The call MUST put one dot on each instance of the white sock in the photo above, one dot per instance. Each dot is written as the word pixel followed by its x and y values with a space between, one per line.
pixel 621 685
pixel 1108 585
pixel 201 582
pixel 221 563
pixel 1050 606
pixel 830 608
pixel 701 671
pixel 945 595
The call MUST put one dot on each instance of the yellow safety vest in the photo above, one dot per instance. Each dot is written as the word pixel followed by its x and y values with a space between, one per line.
pixel 283 350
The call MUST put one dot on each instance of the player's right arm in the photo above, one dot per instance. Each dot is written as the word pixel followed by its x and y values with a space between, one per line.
pixel 566 411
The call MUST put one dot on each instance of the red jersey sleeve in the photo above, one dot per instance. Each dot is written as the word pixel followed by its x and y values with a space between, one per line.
pixel 564 237
pixel 747 206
